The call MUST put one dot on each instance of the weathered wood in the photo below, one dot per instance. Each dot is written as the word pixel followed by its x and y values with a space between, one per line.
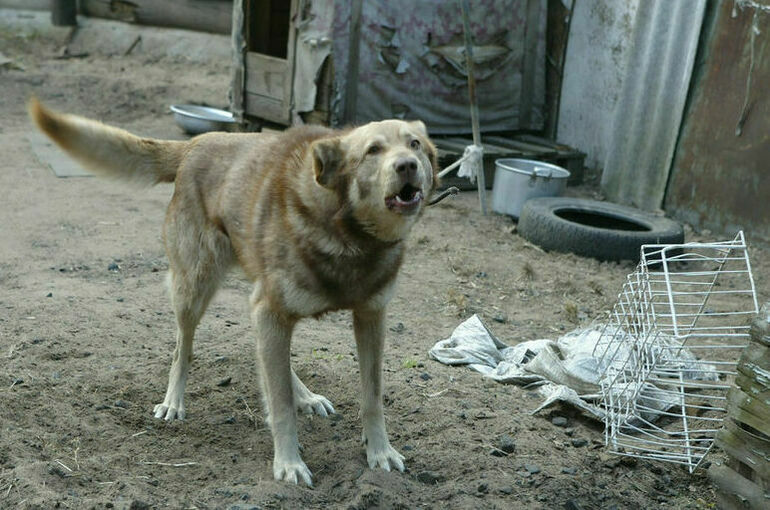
pixel 749 410
pixel 238 42
pixel 747 448
pixel 760 326
pixel 203 15
pixel 475 127
pixel 64 13
pixel 30 5
pixel 737 492
pixel 354 52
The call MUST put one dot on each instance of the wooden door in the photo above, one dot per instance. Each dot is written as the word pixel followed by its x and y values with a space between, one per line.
pixel 269 62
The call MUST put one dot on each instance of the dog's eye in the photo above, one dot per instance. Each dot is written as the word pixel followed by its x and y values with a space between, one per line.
pixel 415 144
pixel 374 149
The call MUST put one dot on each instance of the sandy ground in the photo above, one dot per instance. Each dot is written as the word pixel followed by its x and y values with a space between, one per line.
pixel 86 334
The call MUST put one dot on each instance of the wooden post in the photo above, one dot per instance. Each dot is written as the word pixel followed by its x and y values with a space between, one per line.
pixel 64 13
pixel 480 179
pixel 354 52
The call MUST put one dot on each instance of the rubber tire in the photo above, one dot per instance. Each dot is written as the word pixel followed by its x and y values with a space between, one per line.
pixel 540 225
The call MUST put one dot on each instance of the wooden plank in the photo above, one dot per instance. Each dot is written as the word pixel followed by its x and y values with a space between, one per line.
pixel 546 142
pixel 267 76
pixel 529 65
pixel 64 13
pixel 446 143
pixel 536 149
pixel 749 410
pixel 489 148
pixel 354 49
pixel 238 80
pixel 751 496
pixel 204 15
pixel 746 448
pixel 267 108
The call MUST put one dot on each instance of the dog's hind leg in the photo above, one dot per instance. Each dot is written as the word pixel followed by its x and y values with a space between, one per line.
pixel 307 401
pixel 196 266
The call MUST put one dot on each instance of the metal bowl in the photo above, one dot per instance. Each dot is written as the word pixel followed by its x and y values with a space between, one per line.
pixel 196 119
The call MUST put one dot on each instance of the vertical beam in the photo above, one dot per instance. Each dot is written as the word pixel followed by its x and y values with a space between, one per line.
pixel 480 179
pixel 354 47
pixel 64 13
pixel 239 36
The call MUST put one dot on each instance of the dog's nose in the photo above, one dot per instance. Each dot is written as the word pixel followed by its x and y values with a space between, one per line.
pixel 406 168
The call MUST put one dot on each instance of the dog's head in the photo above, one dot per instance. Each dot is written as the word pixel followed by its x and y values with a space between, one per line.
pixel 384 172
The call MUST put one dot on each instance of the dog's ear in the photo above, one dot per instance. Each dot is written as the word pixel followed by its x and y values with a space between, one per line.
pixel 328 159
pixel 433 157
pixel 419 126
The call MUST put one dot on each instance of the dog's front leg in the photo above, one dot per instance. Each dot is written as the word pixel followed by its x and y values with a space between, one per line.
pixel 369 328
pixel 273 351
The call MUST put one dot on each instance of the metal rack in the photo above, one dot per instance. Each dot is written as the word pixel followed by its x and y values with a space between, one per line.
pixel 670 346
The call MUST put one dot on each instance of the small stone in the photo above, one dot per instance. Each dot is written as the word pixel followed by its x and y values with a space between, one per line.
pixel 481 274
pixel 113 267
pixel 579 443
pixel 572 505
pixel 407 448
pixel 425 376
pixel 428 477
pixel 569 431
pixel 482 488
pixel 121 403
pixel 224 382
pixel 398 328
pixel 506 490
pixel 120 300
pixel 50 294
pixel 532 469
pixel 501 318
pixel 569 470
pixel 229 420
pixel 559 421
pixel 506 444
pixel 139 505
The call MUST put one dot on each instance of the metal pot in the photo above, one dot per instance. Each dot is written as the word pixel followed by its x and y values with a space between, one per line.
pixel 518 180
pixel 196 119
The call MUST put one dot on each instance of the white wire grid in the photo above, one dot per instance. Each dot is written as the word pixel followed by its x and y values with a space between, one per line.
pixel 670 349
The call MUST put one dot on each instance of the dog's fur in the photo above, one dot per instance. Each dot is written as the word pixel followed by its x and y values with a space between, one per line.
pixel 315 217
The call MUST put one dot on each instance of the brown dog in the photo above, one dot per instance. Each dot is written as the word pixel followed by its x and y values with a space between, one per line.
pixel 315 217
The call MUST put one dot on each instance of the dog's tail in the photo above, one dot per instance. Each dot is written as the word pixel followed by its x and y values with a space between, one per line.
pixel 110 151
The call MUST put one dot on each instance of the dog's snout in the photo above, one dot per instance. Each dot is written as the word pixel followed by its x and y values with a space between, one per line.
pixel 406 167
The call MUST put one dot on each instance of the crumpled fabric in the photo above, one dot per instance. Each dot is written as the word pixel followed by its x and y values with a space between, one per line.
pixel 473 162
pixel 564 370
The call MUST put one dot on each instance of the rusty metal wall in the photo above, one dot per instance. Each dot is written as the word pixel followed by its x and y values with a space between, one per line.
pixel 720 179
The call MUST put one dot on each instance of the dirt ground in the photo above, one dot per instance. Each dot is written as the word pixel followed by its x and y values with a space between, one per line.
pixel 86 335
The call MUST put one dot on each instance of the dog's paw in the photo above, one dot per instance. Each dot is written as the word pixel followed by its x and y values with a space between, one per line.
pixel 170 410
pixel 313 403
pixel 384 456
pixel 292 471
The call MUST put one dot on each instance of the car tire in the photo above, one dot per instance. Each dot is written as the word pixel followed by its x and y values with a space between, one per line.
pixel 590 228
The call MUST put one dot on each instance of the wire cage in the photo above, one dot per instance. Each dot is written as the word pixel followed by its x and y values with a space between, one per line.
pixel 669 349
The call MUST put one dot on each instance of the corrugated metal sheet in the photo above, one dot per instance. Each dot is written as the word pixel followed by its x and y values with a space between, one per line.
pixel 649 111
pixel 721 180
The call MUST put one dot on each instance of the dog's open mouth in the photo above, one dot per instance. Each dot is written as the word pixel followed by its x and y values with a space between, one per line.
pixel 405 201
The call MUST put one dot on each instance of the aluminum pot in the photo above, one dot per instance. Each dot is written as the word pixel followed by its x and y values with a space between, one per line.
pixel 518 180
